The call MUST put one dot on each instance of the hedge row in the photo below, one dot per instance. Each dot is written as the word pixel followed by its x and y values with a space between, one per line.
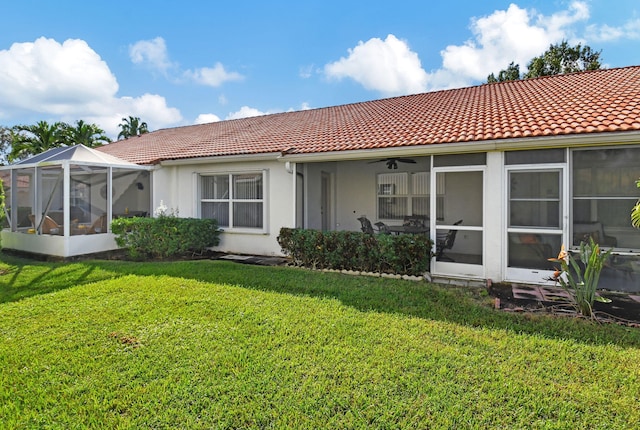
pixel 405 254
pixel 165 236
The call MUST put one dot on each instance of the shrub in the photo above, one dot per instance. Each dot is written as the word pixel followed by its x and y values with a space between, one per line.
pixel 404 254
pixel 165 236
pixel 2 214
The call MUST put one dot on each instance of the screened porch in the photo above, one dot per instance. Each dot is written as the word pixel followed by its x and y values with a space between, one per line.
pixel 62 202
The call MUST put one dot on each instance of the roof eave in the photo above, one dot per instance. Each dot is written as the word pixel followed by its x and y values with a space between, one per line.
pixel 539 142
pixel 269 156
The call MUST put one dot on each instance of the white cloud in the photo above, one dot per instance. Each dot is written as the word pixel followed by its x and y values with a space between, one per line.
pixel 606 33
pixel 388 66
pixel 306 72
pixel 245 112
pixel 303 106
pixel 212 76
pixel 69 81
pixel 151 52
pixel 513 35
pixel 205 118
pixel 52 77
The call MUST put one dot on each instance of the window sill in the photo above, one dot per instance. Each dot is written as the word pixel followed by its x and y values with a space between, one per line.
pixel 254 231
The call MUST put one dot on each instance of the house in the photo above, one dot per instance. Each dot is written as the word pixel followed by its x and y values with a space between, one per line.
pixel 526 166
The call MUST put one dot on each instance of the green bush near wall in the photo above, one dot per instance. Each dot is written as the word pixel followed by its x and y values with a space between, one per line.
pixel 2 213
pixel 405 254
pixel 165 236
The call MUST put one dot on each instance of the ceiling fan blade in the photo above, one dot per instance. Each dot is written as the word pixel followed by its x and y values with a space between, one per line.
pixel 406 160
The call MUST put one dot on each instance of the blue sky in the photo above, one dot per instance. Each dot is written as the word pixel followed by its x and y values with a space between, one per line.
pixel 181 63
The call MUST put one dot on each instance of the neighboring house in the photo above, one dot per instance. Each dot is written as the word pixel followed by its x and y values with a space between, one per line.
pixel 526 165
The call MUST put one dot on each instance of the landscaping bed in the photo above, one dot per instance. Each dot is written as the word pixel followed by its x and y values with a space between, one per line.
pixel 624 309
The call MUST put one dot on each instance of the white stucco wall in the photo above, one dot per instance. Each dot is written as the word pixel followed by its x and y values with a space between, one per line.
pixel 494 222
pixel 58 246
pixel 177 187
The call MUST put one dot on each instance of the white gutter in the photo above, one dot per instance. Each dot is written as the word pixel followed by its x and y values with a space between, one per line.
pixel 270 156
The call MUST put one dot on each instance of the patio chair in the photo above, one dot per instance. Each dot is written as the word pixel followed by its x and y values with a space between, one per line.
pixel 365 224
pixel 48 225
pixel 445 241
pixel 415 221
pixel 99 225
pixel 382 228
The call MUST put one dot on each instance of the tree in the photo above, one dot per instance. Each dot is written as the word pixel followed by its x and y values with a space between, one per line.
pixel 27 140
pixel 132 126
pixel 562 58
pixel 5 144
pixel 512 73
pixel 89 135
pixel 557 60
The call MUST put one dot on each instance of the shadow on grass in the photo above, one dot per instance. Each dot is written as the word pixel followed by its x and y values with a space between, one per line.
pixel 465 306
pixel 24 278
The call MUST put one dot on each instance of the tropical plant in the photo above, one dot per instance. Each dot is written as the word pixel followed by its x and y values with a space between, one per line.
pixel 5 144
pixel 635 212
pixel 580 279
pixel 89 135
pixel 27 140
pixel 132 126
pixel 557 60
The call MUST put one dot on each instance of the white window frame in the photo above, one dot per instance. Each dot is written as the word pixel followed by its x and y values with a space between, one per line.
pixel 409 196
pixel 231 200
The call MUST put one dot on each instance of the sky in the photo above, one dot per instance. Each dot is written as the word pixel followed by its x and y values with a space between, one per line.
pixel 180 63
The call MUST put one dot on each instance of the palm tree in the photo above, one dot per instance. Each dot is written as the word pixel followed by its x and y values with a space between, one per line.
pixel 27 140
pixel 132 126
pixel 89 135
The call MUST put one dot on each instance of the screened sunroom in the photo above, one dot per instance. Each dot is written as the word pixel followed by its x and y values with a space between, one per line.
pixel 62 202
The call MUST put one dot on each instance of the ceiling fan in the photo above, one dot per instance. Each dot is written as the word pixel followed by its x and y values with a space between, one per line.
pixel 392 163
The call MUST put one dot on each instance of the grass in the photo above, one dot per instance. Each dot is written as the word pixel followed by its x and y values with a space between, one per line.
pixel 211 344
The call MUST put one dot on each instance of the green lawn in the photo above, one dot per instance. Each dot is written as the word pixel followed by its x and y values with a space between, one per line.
pixel 211 344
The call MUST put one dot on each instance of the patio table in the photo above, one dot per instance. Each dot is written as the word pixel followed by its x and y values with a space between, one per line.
pixel 408 229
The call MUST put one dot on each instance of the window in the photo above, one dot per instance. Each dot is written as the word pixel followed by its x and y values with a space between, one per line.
pixel 535 199
pixel 537 156
pixel 235 200
pixel 450 160
pixel 403 194
pixel 604 191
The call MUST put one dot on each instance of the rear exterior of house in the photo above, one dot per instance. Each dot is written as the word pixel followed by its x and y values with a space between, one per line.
pixel 516 169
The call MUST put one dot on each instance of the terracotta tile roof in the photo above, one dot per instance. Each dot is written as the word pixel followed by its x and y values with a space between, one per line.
pixel 590 102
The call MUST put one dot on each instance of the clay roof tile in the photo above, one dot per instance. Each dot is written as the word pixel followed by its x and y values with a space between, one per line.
pixel 589 102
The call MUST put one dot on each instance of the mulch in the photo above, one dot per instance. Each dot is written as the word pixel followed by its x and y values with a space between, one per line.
pixel 624 308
